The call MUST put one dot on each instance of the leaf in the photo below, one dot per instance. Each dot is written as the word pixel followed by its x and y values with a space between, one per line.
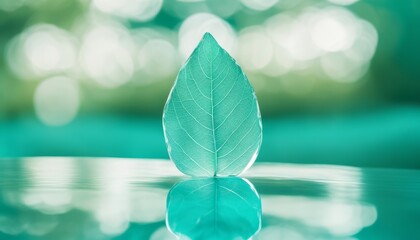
pixel 214 208
pixel 211 120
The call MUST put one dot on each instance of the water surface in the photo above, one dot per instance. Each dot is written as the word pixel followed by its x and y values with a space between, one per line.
pixel 102 198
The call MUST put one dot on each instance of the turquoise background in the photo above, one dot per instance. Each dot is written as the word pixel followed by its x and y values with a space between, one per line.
pixel 370 116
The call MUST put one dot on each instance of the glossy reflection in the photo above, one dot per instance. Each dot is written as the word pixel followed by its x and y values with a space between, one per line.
pixel 60 198
pixel 214 208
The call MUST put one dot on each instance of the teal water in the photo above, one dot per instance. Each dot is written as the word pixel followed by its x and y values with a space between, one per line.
pixel 103 198
pixel 388 137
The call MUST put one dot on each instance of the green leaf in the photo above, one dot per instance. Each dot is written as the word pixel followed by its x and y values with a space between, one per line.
pixel 212 121
pixel 214 208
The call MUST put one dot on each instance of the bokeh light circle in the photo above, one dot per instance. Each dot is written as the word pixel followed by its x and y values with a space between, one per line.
pixel 139 10
pixel 255 48
pixel 194 27
pixel 158 58
pixel 259 5
pixel 333 30
pixel 41 50
pixel 57 100
pixel 106 56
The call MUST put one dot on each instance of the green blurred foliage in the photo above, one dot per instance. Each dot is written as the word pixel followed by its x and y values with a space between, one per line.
pixel 339 78
pixel 392 75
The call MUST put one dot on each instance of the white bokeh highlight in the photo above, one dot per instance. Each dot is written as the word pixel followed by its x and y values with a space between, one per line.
pixel 57 100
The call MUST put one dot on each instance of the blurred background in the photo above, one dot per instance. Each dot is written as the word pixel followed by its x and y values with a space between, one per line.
pixel 338 81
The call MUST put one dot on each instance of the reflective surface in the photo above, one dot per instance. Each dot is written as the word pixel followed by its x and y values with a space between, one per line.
pixel 75 198
pixel 214 208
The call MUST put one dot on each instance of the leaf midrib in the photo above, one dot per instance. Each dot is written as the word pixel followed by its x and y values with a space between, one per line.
pixel 212 119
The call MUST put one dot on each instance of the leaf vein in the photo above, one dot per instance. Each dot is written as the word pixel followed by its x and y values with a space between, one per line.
pixel 201 67
pixel 186 154
pixel 221 81
pixel 179 123
pixel 240 125
pixel 230 164
pixel 240 141
pixel 235 193
pixel 195 119
pixel 230 113
pixel 227 94
pixel 196 84
pixel 188 88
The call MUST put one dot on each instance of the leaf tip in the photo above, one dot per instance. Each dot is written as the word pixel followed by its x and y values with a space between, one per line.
pixel 210 44
pixel 208 37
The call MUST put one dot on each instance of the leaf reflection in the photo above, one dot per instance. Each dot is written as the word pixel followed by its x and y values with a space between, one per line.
pixel 214 208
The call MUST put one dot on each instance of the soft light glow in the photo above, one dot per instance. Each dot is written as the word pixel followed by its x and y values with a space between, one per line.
pixel 158 58
pixel 350 65
pixel 140 10
pixel 294 36
pixel 259 5
pixel 306 172
pixel 60 174
pixel 142 206
pixel 341 68
pixel 338 218
pixel 42 50
pixel 57 101
pixel 255 48
pixel 194 27
pixel 364 46
pixel 164 233
pixel 48 48
pixel 148 206
pixel 58 202
pixel 334 30
pixel 330 42
pixel 106 56
pixel 278 29
pixel 114 193
pixel 115 189
pixel 280 64
pixel 113 221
